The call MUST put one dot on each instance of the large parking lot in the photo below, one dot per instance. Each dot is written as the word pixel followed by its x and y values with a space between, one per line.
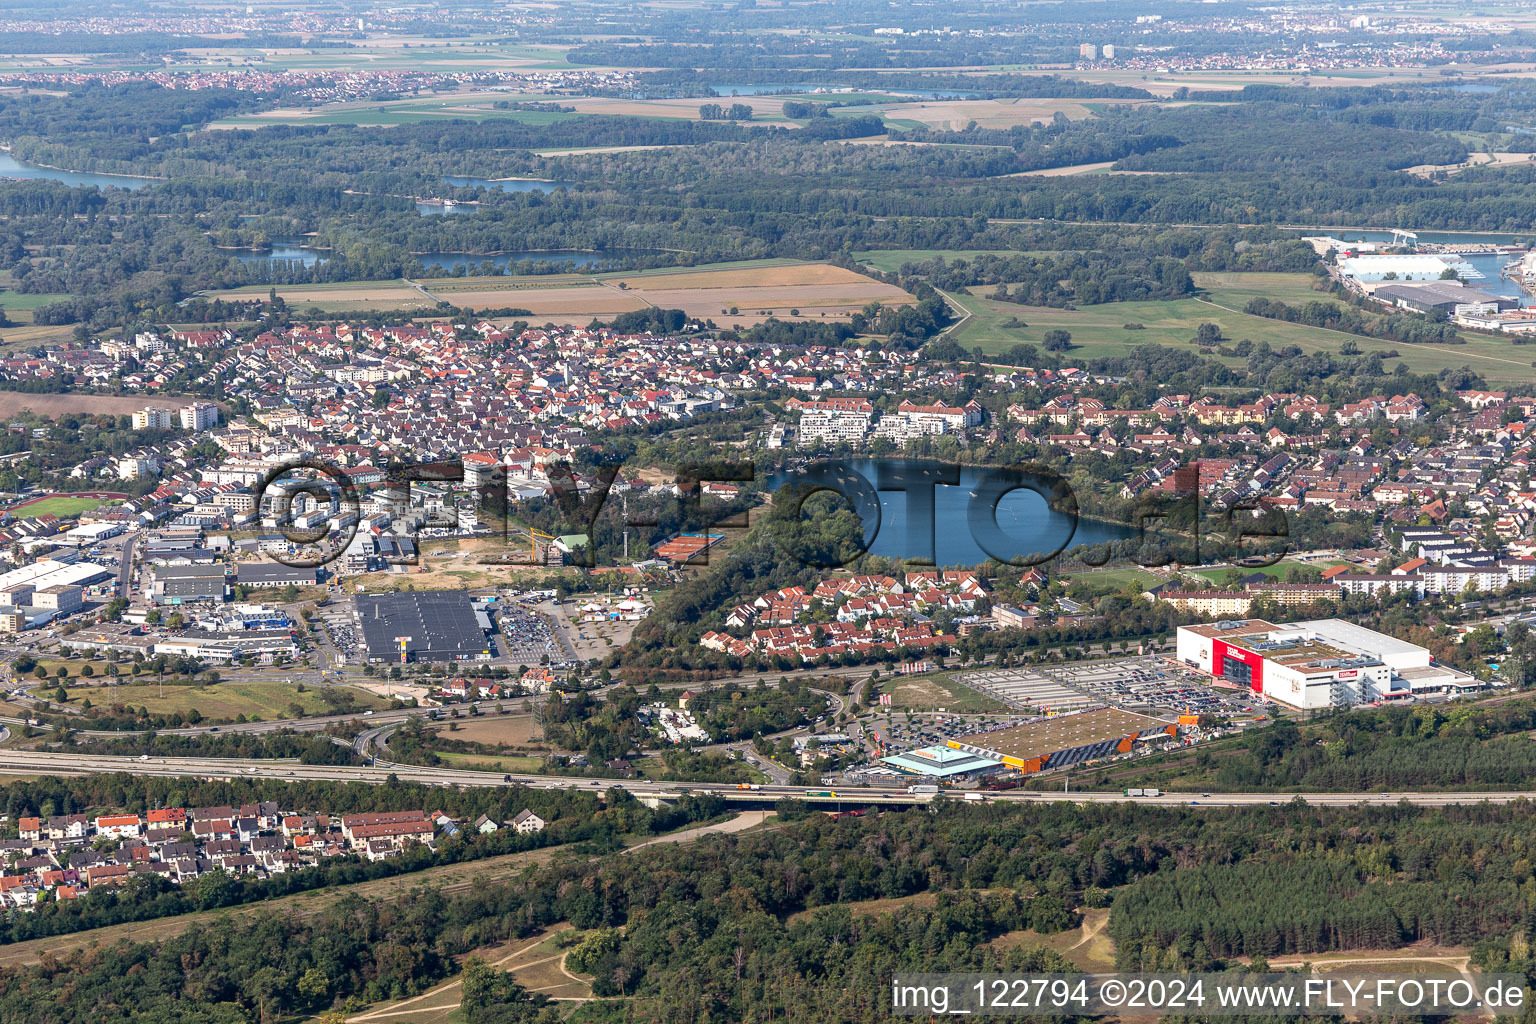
pixel 1029 690
pixel 527 636
pixel 1149 684
pixel 930 730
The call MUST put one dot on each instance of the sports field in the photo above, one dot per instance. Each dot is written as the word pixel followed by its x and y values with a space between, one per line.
pixel 1063 732
pixel 64 508
pixel 937 691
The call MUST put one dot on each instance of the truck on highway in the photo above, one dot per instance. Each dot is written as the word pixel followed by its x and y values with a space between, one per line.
pixel 975 796
pixel 922 789
pixel 819 792
pixel 1143 792
pixel 748 785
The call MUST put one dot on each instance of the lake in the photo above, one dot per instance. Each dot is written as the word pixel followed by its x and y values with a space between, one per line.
pixel 282 250
pixel 10 167
pixel 507 184
pixel 1026 522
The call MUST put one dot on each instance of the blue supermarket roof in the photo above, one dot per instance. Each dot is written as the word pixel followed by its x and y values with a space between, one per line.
pixel 939 762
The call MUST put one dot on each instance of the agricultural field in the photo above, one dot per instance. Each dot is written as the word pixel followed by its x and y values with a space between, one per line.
pixel 1101 330
pixel 956 114
pixel 223 700
pixel 756 290
pixel 13 402
pixel 503 730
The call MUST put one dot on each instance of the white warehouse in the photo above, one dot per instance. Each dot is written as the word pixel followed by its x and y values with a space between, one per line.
pixel 1316 664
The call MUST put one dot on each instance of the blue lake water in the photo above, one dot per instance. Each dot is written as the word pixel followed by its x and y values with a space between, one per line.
pixel 10 167
pixel 282 251
pixel 1027 523
pixel 507 184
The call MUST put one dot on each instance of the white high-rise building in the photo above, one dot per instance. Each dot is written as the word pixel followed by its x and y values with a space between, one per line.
pixel 200 416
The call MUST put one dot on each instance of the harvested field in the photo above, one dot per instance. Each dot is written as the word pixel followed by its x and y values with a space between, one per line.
pixel 576 303
pixel 1068 171
pixel 1005 113
pixel 12 402
pixel 504 730
pixel 815 290
pixel 1064 731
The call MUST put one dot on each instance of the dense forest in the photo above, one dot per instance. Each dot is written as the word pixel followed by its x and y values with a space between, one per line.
pixel 1363 750
pixel 704 191
pixel 753 926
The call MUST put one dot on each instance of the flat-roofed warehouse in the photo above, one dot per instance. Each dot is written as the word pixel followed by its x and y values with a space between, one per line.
pixel 421 625
pixel 1448 296
pixel 1061 740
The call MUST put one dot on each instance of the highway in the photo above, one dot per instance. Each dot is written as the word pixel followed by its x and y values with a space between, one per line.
pixel 29 762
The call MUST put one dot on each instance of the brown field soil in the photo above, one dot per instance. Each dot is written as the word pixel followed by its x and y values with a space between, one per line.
pixel 745 277
pixel 1005 113
pixel 762 106
pixel 451 878
pixel 919 693
pixel 506 730
pixel 581 301
pixel 339 297
pixel 1064 731
pixel 1063 172
pixel 1088 946
pixel 1475 160
pixel 12 402
pixel 812 288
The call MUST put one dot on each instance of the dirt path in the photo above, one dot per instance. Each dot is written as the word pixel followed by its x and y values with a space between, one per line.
pixel 442 1001
pixel 1090 931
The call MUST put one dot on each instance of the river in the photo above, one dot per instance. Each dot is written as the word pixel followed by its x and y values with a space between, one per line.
pixel 1028 525
pixel 10 167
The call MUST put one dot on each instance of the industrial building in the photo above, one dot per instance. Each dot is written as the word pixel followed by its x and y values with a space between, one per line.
pixel 1315 664
pixel 1367 271
pixel 1450 297
pixel 942 763
pixel 1062 740
pixel 423 625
